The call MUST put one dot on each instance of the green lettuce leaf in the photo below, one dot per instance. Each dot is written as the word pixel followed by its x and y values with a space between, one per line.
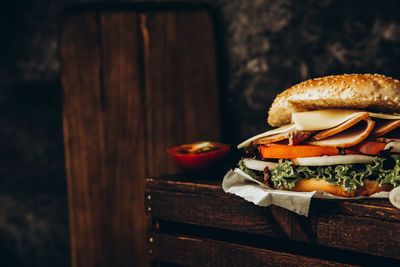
pixel 385 170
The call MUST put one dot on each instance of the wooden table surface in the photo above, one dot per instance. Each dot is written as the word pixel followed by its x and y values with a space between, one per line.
pixel 192 218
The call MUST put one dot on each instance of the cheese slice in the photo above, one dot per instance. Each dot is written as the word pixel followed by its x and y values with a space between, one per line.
pixel 328 118
pixel 323 119
pixel 384 116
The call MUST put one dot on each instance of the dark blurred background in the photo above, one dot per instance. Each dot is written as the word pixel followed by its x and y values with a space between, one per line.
pixel 267 46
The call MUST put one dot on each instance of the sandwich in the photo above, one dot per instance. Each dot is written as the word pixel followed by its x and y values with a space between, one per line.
pixel 336 134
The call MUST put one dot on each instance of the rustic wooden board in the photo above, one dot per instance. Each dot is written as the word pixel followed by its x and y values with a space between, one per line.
pixel 181 83
pixel 192 251
pixel 134 82
pixel 366 226
pixel 84 159
pixel 105 150
pixel 124 136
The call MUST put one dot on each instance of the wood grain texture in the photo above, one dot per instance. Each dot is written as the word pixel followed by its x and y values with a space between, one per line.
pixel 192 251
pixel 125 136
pixel 104 139
pixel 84 139
pixel 366 226
pixel 134 83
pixel 181 83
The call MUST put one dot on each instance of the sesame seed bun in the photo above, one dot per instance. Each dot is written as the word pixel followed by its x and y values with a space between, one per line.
pixel 376 93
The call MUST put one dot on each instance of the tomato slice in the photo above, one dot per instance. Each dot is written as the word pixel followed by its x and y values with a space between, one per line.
pixel 277 151
pixel 198 156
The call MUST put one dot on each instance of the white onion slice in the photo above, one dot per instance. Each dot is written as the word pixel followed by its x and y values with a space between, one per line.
pixel 393 147
pixel 258 165
pixel 333 160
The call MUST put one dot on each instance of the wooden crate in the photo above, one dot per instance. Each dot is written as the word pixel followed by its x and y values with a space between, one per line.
pixel 195 223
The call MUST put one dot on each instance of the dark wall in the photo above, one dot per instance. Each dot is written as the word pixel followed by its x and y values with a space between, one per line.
pixel 267 46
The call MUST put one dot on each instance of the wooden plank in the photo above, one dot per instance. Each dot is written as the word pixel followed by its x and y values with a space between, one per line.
pixel 192 251
pixel 222 211
pixel 84 139
pixel 367 226
pixel 104 133
pixel 124 113
pixel 360 234
pixel 375 208
pixel 181 83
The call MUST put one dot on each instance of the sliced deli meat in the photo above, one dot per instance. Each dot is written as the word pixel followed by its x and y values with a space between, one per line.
pixel 349 137
pixel 383 127
pixel 271 139
pixel 293 137
pixel 375 148
pixel 345 125
pixel 282 129
pixel 333 160
pixel 393 147
pixel 369 148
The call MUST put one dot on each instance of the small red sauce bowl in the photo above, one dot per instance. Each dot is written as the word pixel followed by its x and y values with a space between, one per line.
pixel 198 156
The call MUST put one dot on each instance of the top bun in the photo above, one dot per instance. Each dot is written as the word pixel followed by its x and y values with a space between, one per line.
pixel 348 91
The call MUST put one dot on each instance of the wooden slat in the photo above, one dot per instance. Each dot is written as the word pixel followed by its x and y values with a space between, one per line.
pixel 181 83
pixel 125 136
pixel 212 211
pixel 367 226
pixel 104 139
pixel 375 208
pixel 192 251
pixel 84 139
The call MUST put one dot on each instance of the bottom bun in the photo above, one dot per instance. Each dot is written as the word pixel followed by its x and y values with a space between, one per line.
pixel 309 185
pixel 372 187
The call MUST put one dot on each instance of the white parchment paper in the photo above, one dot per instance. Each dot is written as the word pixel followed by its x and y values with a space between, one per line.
pixel 239 183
